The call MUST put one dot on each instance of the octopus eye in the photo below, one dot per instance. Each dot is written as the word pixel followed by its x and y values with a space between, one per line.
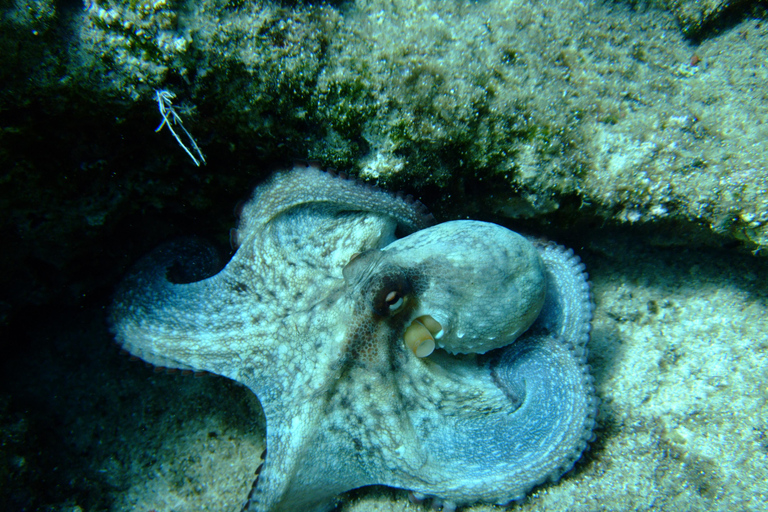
pixel 391 296
pixel 395 301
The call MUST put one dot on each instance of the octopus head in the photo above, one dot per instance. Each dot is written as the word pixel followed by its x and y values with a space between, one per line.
pixel 462 286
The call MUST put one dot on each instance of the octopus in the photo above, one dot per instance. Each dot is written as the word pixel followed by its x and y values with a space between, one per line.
pixel 447 360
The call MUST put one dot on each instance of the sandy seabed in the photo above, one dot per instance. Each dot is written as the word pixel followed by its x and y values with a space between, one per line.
pixel 679 353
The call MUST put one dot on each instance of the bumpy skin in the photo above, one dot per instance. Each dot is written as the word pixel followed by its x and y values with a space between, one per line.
pixel 301 316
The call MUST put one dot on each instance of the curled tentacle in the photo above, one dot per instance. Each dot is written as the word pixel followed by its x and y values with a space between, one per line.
pixel 306 185
pixel 567 310
pixel 521 418
pixel 162 310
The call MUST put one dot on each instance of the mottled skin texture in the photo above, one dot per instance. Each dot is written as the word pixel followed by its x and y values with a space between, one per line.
pixel 305 314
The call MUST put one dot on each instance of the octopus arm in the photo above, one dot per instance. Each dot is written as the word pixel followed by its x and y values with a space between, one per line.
pixel 308 185
pixel 517 421
pixel 567 310
pixel 172 310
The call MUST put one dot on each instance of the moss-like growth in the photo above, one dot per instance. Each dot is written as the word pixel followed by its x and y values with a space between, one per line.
pixel 495 109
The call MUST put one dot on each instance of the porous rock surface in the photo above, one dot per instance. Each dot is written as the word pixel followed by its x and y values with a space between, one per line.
pixel 558 111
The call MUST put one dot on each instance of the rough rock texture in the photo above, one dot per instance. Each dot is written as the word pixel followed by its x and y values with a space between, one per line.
pixel 561 111
pixel 576 115
pixel 695 16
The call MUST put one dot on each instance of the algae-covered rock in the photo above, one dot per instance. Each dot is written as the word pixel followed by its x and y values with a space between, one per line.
pixel 564 113
pixel 695 16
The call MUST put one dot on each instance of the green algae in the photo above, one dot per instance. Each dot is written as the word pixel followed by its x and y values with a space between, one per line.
pixel 594 101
